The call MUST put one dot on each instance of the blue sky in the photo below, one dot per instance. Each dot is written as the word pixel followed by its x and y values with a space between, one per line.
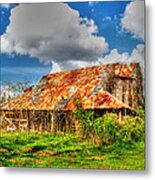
pixel 19 67
pixel 108 28
pixel 106 16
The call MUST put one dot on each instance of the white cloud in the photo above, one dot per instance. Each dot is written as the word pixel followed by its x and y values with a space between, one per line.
pixel 92 3
pixel 115 57
pixel 133 19
pixel 57 67
pixel 6 6
pixel 107 18
pixel 53 32
pixel 137 56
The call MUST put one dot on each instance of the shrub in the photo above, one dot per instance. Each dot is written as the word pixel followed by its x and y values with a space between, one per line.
pixel 129 130
pixel 87 121
pixel 141 112
pixel 108 129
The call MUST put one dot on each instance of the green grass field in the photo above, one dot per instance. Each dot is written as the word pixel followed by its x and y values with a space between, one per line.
pixel 27 149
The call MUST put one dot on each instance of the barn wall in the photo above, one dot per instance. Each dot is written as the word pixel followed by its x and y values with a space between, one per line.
pixel 50 121
pixel 55 122
pixel 126 89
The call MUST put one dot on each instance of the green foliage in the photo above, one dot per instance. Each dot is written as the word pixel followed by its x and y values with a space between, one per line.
pixel 108 129
pixel 128 131
pixel 141 112
pixel 87 121
pixel 28 149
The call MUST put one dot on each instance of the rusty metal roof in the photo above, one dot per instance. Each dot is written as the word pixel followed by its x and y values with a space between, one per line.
pixel 59 90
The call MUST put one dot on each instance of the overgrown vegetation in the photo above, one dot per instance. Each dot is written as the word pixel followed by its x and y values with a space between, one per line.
pixel 106 143
pixel 108 129
pixel 25 149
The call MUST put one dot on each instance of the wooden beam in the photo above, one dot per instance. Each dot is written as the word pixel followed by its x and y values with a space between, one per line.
pixel 120 115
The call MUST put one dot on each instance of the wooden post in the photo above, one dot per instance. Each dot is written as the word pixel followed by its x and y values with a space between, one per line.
pixel 32 121
pixel 52 119
pixel 120 115
pixel 28 119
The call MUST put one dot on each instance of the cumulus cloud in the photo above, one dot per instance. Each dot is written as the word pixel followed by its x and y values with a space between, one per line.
pixel 115 57
pixel 57 67
pixel 55 33
pixel 133 19
pixel 137 56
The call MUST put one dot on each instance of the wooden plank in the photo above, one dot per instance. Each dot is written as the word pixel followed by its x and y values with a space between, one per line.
pixel 9 112
pixel 16 119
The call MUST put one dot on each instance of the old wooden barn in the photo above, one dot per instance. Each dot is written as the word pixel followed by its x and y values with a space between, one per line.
pixel 49 105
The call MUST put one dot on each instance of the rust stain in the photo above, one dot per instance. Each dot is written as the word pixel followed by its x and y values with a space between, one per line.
pixel 54 88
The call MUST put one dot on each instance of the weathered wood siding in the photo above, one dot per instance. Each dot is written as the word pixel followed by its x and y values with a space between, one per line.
pixel 126 89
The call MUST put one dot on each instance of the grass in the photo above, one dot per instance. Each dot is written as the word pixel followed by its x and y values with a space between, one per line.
pixel 27 149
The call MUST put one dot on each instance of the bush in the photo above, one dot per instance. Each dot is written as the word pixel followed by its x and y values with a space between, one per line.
pixel 128 131
pixel 141 112
pixel 108 129
pixel 132 130
pixel 87 121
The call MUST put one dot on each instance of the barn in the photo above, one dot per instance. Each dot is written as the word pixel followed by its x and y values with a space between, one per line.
pixel 49 105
